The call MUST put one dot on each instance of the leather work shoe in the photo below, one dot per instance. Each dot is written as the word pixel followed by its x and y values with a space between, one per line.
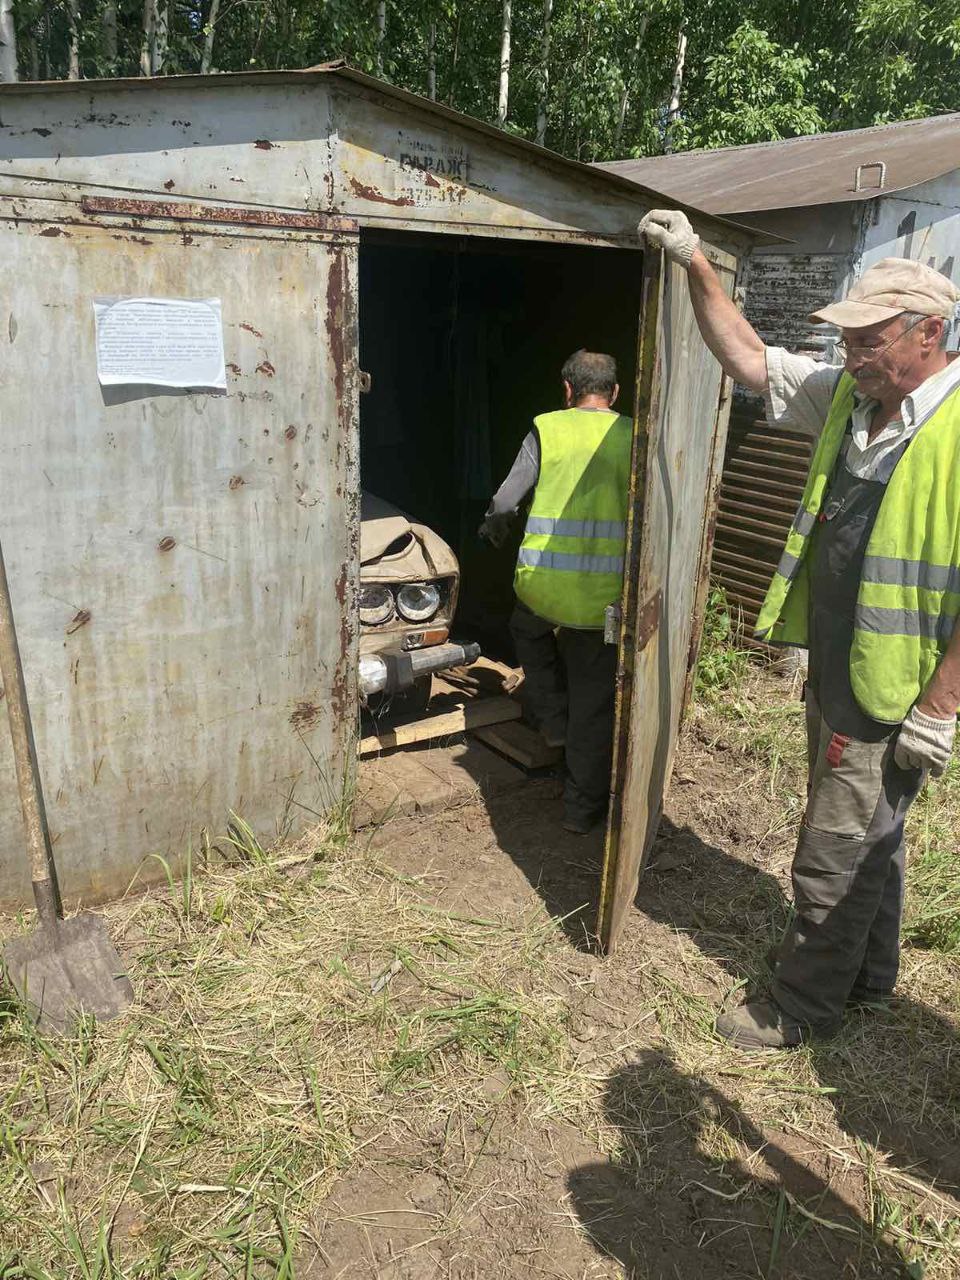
pixel 761 1025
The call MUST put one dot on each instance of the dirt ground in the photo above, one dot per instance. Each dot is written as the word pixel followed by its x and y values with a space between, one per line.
pixel 703 1162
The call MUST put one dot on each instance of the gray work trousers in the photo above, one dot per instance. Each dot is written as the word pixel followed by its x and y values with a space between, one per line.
pixel 569 691
pixel 844 940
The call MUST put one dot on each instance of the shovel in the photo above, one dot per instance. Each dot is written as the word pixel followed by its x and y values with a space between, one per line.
pixel 66 968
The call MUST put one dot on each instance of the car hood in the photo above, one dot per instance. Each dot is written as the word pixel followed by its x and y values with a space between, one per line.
pixel 393 546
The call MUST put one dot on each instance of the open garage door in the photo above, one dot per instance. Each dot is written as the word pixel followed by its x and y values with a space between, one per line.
pixel 682 407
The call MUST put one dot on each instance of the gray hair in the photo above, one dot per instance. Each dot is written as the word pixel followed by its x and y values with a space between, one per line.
pixel 910 318
pixel 590 373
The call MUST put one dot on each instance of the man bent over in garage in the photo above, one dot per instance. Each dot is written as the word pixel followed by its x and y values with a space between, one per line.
pixel 569 569
pixel 869 582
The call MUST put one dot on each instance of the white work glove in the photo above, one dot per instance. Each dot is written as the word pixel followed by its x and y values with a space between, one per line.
pixel 670 230
pixel 925 742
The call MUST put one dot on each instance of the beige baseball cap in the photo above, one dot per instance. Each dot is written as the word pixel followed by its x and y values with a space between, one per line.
pixel 892 286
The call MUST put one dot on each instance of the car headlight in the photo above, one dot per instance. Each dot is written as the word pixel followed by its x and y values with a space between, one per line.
pixel 376 604
pixel 418 601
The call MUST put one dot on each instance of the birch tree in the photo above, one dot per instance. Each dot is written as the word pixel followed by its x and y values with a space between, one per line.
pixel 544 74
pixel 503 97
pixel 108 28
pixel 209 35
pixel 8 42
pixel 673 111
pixel 381 34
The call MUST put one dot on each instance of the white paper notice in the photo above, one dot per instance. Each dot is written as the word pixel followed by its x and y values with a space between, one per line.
pixel 166 342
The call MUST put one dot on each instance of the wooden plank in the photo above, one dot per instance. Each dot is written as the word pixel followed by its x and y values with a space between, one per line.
pixel 473 714
pixel 520 743
pixel 426 779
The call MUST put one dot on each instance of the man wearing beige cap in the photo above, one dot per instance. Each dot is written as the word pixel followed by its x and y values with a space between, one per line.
pixel 869 582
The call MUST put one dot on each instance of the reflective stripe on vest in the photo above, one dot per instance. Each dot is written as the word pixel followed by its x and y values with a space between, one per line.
pixel 909 597
pixel 616 529
pixel 570 564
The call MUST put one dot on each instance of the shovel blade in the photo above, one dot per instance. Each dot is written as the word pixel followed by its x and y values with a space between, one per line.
pixel 62 974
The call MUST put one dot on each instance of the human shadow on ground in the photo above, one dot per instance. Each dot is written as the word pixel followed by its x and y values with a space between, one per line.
pixel 676 1202
pixel 894 1071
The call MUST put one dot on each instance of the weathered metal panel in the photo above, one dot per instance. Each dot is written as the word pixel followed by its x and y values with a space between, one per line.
pixel 681 424
pixel 182 565
pixel 764 472
pixel 923 223
pixel 332 142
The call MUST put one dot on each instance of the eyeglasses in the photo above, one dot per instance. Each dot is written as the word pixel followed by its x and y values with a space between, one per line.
pixel 849 350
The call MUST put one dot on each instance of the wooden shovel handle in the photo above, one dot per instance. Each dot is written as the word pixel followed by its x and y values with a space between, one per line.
pixel 42 870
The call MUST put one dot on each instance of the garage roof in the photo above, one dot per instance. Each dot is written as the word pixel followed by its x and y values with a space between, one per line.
pixel 818 169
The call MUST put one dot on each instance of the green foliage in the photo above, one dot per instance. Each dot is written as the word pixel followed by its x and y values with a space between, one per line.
pixel 762 70
pixel 756 92
pixel 722 663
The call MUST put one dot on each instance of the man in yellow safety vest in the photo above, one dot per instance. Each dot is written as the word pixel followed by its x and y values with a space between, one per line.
pixel 569 570
pixel 869 583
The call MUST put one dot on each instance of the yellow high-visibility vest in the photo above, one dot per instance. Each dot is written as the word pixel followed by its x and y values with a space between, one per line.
pixel 570 563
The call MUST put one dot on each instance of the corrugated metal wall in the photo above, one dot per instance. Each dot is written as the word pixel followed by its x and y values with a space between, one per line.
pixel 764 471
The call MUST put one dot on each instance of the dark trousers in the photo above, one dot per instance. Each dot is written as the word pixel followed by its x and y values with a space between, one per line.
pixel 844 939
pixel 568 691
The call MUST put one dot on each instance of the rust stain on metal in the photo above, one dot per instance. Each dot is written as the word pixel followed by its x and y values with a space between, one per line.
pixel 247 216
pixel 80 619
pixel 340 586
pixel 648 619
pixel 236 482
pixel 250 329
pixel 265 367
pixel 366 192
pixel 336 285
pixel 54 231
pixel 186 238
pixel 290 433
pixel 263 144
pixel 430 180
pixel 305 715
pixel 169 184
pixel 166 544
pixel 234 368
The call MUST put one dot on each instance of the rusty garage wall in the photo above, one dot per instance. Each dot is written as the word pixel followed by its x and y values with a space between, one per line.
pixel 327 141
pixel 183 565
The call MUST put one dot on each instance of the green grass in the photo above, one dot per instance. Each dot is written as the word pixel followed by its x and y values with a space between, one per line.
pixel 274 1036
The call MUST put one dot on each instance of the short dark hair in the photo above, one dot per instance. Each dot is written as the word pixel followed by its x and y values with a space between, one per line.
pixel 590 373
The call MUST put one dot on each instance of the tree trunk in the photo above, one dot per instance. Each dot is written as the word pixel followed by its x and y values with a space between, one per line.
pixel 73 51
pixel 163 37
pixel 544 74
pixel 673 111
pixel 627 84
pixel 503 98
pixel 108 27
pixel 148 50
pixel 381 34
pixel 206 62
pixel 432 63
pixel 8 43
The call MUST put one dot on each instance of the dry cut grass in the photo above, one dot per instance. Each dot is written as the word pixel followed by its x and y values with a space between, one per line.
pixel 291 1011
